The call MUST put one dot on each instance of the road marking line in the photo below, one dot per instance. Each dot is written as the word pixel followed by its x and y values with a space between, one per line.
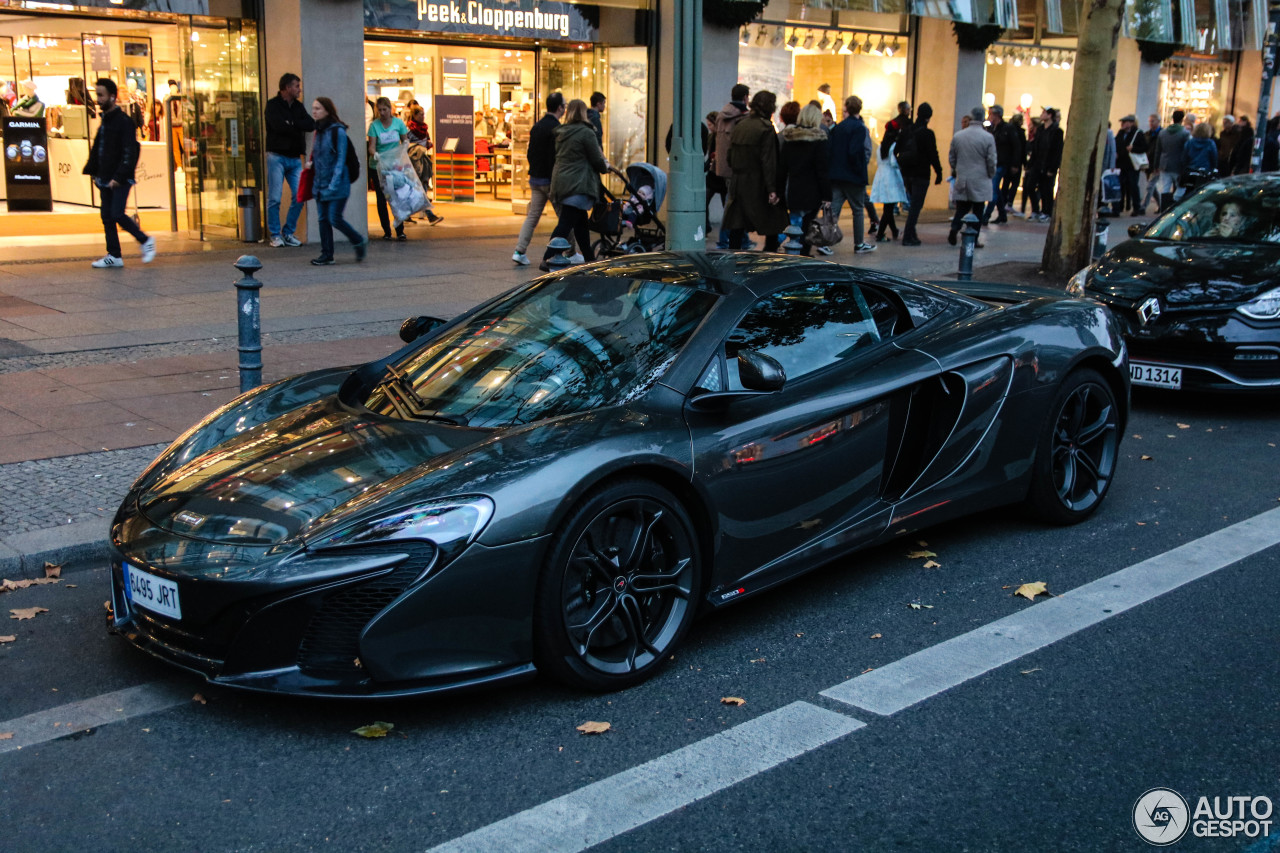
pixel 612 806
pixel 931 671
pixel 38 728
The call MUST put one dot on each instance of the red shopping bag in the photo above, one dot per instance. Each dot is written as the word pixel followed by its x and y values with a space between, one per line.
pixel 306 181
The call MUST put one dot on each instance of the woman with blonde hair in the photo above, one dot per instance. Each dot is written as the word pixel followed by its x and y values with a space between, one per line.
pixel 575 179
pixel 802 169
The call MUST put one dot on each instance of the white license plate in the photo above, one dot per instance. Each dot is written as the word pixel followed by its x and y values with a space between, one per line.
pixel 1155 375
pixel 155 594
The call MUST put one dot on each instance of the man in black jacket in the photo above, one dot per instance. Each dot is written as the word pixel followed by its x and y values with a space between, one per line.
pixel 542 161
pixel 914 161
pixel 112 162
pixel 1006 143
pixel 1129 140
pixel 287 125
pixel 1046 159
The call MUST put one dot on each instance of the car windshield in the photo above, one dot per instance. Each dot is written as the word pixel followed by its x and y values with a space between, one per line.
pixel 1236 212
pixel 552 348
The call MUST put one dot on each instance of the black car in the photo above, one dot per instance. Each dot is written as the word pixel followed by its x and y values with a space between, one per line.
pixel 564 476
pixel 1199 289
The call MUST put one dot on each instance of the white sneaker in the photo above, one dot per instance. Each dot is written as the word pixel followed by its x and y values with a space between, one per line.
pixel 290 240
pixel 149 250
pixel 520 258
pixel 576 258
pixel 107 262
pixel 865 248
pixel 825 250
pixel 276 242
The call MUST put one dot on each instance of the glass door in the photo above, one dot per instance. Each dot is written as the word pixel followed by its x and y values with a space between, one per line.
pixel 220 121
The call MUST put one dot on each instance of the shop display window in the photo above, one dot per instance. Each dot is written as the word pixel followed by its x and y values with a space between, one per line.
pixel 1193 86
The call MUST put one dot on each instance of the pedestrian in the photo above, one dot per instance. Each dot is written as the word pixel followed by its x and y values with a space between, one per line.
pixel 825 101
pixel 1013 174
pixel 420 146
pixel 386 133
pixel 1227 140
pixel 593 115
pixel 887 187
pixel 1048 154
pixel 917 153
pixel 1031 174
pixel 1130 143
pixel 1152 190
pixel 754 200
pixel 728 118
pixel 575 181
pixel 287 126
pixel 1241 162
pixel 802 169
pixel 850 154
pixel 113 160
pixel 716 185
pixel 1199 157
pixel 332 181
pixel 1167 157
pixel 972 158
pixel 542 161
pixel 1006 141
pixel 788 114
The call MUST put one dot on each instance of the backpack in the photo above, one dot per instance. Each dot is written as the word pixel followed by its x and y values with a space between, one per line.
pixel 908 151
pixel 353 162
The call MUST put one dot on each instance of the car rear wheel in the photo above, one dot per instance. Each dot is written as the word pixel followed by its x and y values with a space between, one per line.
pixel 1077 451
pixel 616 595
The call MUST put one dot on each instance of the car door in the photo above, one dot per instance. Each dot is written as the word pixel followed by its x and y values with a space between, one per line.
pixel 796 475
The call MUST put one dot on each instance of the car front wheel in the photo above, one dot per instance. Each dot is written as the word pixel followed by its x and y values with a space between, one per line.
pixel 1077 450
pixel 617 593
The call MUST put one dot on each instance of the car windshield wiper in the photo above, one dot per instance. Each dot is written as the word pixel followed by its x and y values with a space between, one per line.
pixel 398 380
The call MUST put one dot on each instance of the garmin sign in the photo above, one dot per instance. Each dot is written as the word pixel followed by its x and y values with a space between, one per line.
pixel 526 19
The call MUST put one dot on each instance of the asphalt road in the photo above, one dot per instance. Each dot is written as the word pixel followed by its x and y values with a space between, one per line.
pixel 1049 751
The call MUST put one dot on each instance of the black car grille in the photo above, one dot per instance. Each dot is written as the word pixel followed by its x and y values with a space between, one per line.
pixel 201 651
pixel 331 642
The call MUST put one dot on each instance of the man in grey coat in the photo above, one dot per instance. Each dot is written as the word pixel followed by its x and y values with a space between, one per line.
pixel 1166 157
pixel 973 165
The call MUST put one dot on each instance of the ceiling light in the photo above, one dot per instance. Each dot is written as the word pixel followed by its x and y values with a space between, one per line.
pixel 1066 62
pixel 808 41
pixel 880 46
pixel 1017 59
pixel 874 51
pixel 838 44
pixel 1035 60
pixel 794 40
pixel 778 35
pixel 762 34
pixel 892 48
pixel 826 41
pixel 744 37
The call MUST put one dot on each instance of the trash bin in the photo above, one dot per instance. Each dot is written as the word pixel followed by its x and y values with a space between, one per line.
pixel 249 215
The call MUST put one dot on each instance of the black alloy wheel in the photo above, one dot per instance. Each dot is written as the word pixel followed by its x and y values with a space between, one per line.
pixel 1077 452
pixel 617 593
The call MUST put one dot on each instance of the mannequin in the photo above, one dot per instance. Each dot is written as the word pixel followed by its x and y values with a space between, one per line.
pixel 29 105
pixel 132 103
pixel 174 102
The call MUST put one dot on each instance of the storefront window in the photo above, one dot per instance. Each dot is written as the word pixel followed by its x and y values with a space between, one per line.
pixel 1026 77
pixel 1194 86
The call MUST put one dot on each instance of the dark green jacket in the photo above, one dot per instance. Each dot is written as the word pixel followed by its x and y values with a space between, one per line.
pixel 579 163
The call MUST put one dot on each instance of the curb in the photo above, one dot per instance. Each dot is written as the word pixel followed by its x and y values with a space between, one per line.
pixel 23 555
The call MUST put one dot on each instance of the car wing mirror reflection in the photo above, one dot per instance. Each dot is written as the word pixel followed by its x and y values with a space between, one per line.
pixel 415 327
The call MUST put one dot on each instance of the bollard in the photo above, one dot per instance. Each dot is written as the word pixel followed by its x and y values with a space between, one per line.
pixel 1101 231
pixel 248 320
pixel 793 242
pixel 968 240
pixel 559 260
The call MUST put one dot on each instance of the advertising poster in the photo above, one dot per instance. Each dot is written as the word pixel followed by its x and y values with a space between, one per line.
pixel 26 164
pixel 455 123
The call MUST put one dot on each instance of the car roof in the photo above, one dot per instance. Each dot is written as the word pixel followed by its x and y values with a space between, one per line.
pixel 723 272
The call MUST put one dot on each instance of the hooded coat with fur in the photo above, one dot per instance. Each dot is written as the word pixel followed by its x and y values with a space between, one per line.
pixel 803 168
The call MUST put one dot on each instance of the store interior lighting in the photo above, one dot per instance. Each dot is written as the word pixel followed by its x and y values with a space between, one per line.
pixel 794 40
pixel 867 48
pixel 778 35
pixel 744 37
pixel 838 44
pixel 808 41
pixel 892 48
pixel 826 41
pixel 761 35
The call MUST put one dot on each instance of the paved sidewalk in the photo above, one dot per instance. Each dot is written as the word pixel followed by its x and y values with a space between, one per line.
pixel 100 369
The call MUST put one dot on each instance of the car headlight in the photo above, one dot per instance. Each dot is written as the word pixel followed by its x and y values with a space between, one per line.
pixel 1265 307
pixel 1075 287
pixel 450 524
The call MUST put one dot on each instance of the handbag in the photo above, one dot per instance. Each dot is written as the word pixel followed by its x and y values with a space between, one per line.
pixel 306 184
pixel 822 230
pixel 1139 161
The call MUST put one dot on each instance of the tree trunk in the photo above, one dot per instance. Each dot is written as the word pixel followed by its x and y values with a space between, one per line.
pixel 1069 245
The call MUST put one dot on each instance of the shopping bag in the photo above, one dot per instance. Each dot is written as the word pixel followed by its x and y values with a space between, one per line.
pixel 306 185
pixel 400 184
pixel 823 230
pixel 1111 191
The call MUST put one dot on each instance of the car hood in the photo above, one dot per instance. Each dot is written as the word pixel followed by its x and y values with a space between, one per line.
pixel 1186 274
pixel 267 484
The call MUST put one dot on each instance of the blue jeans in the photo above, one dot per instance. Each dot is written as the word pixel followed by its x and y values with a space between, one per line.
pixel 330 213
pixel 279 170
pixel 995 193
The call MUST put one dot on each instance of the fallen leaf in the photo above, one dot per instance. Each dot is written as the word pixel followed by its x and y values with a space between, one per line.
pixel 358 664
pixel 1184 426
pixel 868 669
pixel 376 729
pixel 1141 523
pixel 9 586
pixel 27 612
pixel 758 660
pixel 874 637
pixel 801 634
pixel 70 586
pixel 931 564
pixel 200 698
pixel 1006 586
pixel 591 727
pixel 53 570
pixel 733 700
pixel 8 638
pixel 915 606
pixel 1030 590
pixel 1029 671
pixel 1145 458
pixel 915 555
pixel 6 735
pixel 922 543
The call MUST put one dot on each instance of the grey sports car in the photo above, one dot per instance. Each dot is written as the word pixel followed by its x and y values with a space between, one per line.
pixel 562 478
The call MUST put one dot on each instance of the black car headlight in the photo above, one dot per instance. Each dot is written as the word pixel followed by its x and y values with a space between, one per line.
pixel 1078 282
pixel 451 524
pixel 1265 307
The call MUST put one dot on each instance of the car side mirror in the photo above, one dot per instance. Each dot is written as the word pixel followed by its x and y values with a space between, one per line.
pixel 1137 229
pixel 415 327
pixel 760 372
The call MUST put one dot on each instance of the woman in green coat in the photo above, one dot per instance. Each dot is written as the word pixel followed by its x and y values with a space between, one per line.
pixel 754 197
pixel 575 180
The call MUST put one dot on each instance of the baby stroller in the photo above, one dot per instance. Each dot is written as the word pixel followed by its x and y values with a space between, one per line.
pixel 631 226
